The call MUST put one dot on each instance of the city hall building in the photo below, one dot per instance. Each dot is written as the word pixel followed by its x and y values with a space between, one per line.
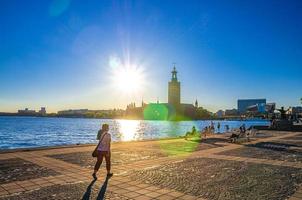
pixel 173 110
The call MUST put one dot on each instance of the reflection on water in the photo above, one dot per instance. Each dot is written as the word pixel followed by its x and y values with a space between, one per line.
pixel 21 132
pixel 128 129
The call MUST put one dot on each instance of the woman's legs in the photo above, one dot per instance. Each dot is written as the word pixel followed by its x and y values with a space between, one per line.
pixel 98 162
pixel 108 162
pixel 101 155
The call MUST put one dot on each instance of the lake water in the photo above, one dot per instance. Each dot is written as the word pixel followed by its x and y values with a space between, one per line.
pixel 22 132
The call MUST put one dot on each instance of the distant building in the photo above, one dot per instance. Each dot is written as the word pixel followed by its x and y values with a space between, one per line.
pixel 73 112
pixel 270 107
pixel 244 104
pixel 85 113
pixel 188 110
pixel 26 111
pixel 262 108
pixel 231 112
pixel 42 111
pixel 135 112
pixel 220 113
pixel 259 108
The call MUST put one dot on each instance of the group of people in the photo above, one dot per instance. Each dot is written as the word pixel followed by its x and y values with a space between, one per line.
pixel 242 133
pixel 206 130
pixel 211 128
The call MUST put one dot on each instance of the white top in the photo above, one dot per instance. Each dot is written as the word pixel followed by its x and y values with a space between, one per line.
pixel 105 144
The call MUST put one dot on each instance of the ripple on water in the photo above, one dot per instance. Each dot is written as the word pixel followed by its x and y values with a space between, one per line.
pixel 22 132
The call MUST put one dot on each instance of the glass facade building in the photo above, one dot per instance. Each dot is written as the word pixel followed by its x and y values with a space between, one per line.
pixel 243 104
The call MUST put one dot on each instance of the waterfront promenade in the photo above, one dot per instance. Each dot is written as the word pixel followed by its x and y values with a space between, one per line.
pixel 267 167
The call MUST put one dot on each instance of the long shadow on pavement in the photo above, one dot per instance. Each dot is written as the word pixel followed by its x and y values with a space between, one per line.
pixel 86 196
pixel 102 192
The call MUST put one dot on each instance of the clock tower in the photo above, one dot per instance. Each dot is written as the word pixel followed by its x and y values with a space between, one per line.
pixel 174 91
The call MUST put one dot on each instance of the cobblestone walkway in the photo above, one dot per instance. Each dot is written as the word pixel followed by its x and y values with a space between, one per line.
pixel 166 169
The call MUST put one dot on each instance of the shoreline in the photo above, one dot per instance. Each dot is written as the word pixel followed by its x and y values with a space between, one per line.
pixel 79 117
pixel 25 149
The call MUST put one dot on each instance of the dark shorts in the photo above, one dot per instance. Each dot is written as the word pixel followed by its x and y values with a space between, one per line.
pixel 104 153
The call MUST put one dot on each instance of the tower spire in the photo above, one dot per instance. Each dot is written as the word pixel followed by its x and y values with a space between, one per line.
pixel 174 73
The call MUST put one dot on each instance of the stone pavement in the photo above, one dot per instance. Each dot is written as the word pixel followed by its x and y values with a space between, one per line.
pixel 164 169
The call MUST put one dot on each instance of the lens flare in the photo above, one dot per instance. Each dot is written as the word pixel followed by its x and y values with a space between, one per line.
pixel 156 111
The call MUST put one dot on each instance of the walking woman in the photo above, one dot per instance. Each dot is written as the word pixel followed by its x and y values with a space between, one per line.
pixel 103 150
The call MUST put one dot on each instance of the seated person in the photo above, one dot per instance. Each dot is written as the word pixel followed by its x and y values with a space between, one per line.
pixel 193 130
pixel 192 133
pixel 234 135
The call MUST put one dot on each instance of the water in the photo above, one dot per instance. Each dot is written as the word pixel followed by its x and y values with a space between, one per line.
pixel 24 132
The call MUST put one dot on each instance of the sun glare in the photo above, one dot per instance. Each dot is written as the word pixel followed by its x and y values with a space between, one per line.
pixel 128 129
pixel 127 79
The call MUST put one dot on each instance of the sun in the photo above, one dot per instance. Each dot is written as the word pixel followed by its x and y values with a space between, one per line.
pixel 128 79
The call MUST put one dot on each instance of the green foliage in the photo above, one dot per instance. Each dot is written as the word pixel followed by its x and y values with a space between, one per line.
pixel 202 113
pixel 104 114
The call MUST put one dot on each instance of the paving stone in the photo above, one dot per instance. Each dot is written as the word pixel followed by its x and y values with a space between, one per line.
pixel 8 186
pixel 132 194
pixel 188 197
pixel 296 137
pixel 265 151
pixel 158 170
pixel 298 195
pixel 32 187
pixel 165 197
pixel 176 194
pixel 84 159
pixel 62 192
pixel 142 197
pixel 153 194
pixel 17 169
pixel 16 190
pixel 295 198
pixel 220 179
pixel 3 193
pixel 133 188
pixel 143 191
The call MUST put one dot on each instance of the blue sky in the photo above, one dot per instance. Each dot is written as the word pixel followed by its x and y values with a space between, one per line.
pixel 57 53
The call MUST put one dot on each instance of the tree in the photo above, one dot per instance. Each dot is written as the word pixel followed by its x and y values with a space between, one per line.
pixel 203 113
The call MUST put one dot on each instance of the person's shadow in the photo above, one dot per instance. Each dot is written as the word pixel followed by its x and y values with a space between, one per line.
pixel 102 192
pixel 86 196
